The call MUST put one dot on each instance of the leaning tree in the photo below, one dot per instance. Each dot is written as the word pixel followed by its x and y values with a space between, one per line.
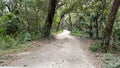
pixel 109 26
pixel 49 20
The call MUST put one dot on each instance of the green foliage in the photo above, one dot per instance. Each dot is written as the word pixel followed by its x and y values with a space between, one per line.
pixel 111 61
pixel 95 47
pixel 24 19
pixel 54 32
pixel 23 37
pixel 7 42
pixel 56 19
pixel 2 31
pixel 10 24
pixel 76 32
pixel 35 35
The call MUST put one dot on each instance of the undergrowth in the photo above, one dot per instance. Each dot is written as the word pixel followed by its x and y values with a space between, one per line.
pixel 54 32
pixel 77 32
pixel 111 61
pixel 96 47
pixel 17 43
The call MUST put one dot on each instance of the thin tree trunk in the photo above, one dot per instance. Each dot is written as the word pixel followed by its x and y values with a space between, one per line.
pixel 114 36
pixel 97 26
pixel 109 26
pixel 27 19
pixel 49 20
pixel 70 23
pixel 91 30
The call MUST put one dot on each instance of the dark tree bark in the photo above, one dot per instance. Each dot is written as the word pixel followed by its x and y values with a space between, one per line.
pixel 70 22
pixel 109 26
pixel 49 20
pixel 91 30
pixel 97 25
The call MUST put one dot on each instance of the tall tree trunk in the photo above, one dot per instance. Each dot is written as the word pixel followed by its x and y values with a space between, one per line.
pixel 109 26
pixel 91 30
pixel 49 20
pixel 97 26
pixel 70 22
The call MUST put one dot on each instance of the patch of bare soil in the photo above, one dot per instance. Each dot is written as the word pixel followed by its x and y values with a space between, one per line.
pixel 65 52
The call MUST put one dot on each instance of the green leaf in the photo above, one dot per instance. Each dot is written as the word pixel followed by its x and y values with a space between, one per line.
pixel 56 19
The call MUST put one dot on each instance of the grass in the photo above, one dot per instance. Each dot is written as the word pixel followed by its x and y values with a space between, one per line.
pixel 16 49
pixel 81 34
pixel 54 32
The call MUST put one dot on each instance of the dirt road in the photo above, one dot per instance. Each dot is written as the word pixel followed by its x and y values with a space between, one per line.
pixel 65 52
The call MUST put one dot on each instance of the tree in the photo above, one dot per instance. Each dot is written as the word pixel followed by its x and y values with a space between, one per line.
pixel 70 26
pixel 109 26
pixel 49 20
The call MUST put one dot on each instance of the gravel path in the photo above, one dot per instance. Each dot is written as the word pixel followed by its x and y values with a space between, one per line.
pixel 65 52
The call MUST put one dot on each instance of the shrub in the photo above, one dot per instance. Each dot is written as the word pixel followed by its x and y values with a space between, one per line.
pixel 35 35
pixel 23 37
pixel 95 47
pixel 111 61
pixel 7 42
pixel 76 32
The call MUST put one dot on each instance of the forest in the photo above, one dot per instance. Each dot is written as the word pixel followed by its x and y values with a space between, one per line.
pixel 23 22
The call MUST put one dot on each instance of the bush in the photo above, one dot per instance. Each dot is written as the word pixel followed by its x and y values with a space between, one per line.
pixel 23 37
pixel 111 61
pixel 95 47
pixel 7 42
pixel 35 35
pixel 80 33
pixel 76 32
